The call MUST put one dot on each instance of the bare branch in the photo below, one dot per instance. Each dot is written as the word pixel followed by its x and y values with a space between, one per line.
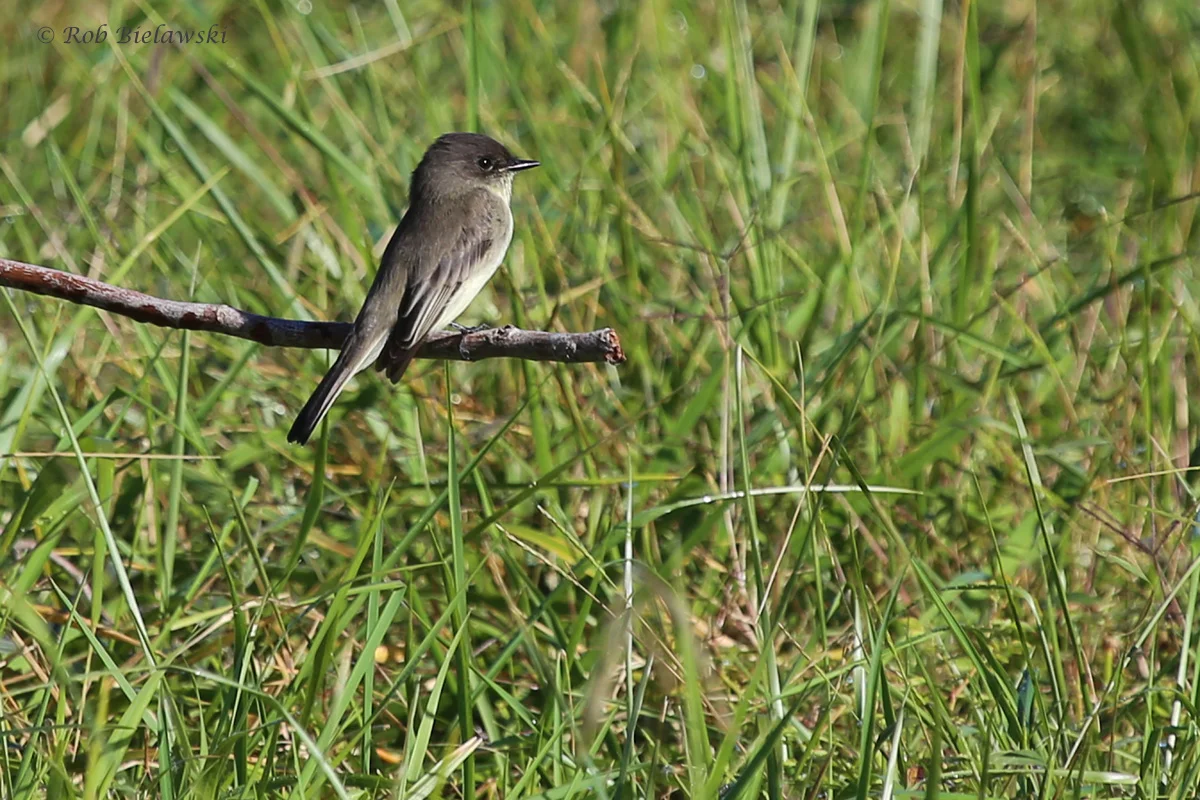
pixel 575 348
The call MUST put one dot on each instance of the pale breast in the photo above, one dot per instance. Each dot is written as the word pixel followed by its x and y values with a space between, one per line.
pixel 479 276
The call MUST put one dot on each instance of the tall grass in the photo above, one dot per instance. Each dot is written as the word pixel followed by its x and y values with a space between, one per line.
pixel 892 497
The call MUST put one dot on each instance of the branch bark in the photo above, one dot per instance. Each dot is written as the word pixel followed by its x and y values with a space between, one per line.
pixel 508 342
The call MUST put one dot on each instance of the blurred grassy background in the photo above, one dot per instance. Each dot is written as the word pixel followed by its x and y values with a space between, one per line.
pixel 937 247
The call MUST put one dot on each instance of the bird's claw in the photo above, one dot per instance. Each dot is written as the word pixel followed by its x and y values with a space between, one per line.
pixel 463 331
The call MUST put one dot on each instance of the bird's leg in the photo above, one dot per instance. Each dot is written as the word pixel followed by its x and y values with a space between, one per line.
pixel 465 329
pixel 462 339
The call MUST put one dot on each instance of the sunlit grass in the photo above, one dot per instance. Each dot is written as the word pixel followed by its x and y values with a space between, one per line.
pixel 891 497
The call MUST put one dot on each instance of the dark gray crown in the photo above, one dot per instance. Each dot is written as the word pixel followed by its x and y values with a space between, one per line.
pixel 458 159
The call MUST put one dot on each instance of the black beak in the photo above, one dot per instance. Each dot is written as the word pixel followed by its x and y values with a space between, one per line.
pixel 518 164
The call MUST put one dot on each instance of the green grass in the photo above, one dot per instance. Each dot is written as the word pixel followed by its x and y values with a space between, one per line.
pixel 938 256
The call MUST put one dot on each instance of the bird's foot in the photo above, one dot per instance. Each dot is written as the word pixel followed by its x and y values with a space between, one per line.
pixel 463 330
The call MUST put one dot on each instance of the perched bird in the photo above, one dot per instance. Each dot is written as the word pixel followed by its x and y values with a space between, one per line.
pixel 446 248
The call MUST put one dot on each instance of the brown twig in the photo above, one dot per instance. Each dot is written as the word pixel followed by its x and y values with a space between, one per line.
pixel 575 348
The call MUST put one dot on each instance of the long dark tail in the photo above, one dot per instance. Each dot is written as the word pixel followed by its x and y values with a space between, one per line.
pixel 394 364
pixel 327 391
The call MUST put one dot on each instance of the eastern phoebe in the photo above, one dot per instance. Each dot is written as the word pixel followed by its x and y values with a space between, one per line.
pixel 447 246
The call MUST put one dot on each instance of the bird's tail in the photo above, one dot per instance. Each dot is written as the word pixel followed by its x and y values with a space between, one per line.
pixel 395 364
pixel 327 391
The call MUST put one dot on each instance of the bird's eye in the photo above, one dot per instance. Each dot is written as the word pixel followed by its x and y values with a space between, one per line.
pixel 485 163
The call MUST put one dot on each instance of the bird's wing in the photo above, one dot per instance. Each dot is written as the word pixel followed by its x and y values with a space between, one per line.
pixel 443 268
pixel 425 300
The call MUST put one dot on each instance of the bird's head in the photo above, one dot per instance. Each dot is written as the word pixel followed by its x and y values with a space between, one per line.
pixel 461 162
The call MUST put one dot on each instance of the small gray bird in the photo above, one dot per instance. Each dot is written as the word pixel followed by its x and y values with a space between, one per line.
pixel 446 248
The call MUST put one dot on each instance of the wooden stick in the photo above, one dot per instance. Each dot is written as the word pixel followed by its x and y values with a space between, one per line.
pixel 508 342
